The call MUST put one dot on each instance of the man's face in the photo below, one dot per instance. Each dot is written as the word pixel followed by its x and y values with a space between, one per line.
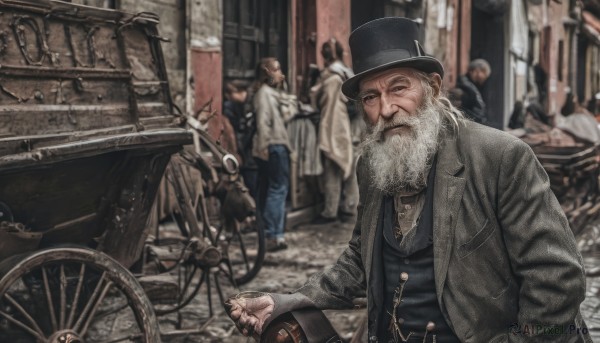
pixel 403 123
pixel 274 70
pixel 392 95
pixel 478 76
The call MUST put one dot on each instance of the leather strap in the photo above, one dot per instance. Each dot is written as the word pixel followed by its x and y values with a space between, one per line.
pixel 316 326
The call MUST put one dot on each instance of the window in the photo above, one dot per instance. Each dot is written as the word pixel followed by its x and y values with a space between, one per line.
pixel 253 29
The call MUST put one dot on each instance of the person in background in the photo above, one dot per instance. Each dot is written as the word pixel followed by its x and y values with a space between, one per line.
pixel 459 237
pixel 595 107
pixel 271 149
pixel 338 181
pixel 569 106
pixel 472 103
pixel 237 109
pixel 234 106
pixel 517 117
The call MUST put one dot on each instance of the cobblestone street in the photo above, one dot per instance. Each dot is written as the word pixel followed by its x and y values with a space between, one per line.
pixel 313 247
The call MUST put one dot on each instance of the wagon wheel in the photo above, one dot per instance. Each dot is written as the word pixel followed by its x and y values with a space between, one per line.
pixel 242 244
pixel 193 275
pixel 243 248
pixel 240 255
pixel 72 295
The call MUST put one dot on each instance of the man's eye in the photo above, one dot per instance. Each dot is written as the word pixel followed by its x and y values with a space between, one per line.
pixel 368 99
pixel 398 89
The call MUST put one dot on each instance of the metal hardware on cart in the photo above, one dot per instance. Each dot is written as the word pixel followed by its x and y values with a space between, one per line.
pixel 206 255
pixel 230 164
pixel 66 336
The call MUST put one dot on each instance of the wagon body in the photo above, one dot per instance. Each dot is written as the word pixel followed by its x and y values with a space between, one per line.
pixel 86 126
pixel 573 173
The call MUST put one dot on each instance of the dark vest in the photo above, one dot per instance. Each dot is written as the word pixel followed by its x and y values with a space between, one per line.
pixel 419 300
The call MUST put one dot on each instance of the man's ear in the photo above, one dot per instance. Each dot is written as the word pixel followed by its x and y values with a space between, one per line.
pixel 436 83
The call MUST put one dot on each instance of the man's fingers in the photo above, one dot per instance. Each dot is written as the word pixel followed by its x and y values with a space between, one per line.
pixel 241 329
pixel 235 310
pixel 252 321
pixel 249 330
pixel 260 322
pixel 235 315
pixel 246 319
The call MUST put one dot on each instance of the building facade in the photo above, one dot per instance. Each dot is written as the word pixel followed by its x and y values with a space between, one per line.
pixel 539 50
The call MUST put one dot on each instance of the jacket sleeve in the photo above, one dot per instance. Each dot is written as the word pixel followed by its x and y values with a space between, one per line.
pixel 338 285
pixel 541 246
pixel 265 110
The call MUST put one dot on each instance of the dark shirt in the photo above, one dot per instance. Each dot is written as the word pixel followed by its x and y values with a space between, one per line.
pixel 472 103
pixel 412 254
pixel 243 123
pixel 234 111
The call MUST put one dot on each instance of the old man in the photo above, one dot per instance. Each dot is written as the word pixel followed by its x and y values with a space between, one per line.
pixel 458 237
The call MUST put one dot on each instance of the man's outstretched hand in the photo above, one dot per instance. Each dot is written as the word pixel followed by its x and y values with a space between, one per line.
pixel 250 314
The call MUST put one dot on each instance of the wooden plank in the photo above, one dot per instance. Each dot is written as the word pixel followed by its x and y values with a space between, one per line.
pixel 53 53
pixel 126 231
pixel 62 119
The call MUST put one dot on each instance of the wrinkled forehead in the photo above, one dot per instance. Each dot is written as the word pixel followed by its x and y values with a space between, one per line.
pixel 400 74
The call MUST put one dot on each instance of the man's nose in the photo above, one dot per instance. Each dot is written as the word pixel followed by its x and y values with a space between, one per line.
pixel 388 108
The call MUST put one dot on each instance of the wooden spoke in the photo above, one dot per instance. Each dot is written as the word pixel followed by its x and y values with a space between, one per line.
pixel 24 313
pixel 39 335
pixel 76 296
pixel 95 308
pixel 49 299
pixel 63 296
pixel 89 304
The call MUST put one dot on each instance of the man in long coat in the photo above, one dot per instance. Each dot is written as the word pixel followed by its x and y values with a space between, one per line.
pixel 338 182
pixel 459 237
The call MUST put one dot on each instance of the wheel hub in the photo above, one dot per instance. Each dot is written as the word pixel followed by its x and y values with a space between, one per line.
pixel 65 336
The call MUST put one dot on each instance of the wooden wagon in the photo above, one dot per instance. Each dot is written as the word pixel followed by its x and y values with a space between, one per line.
pixel 573 172
pixel 86 131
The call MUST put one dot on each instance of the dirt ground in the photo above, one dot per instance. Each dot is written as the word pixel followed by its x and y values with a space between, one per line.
pixel 311 248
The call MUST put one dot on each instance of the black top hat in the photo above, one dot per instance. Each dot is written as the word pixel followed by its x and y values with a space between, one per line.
pixel 384 43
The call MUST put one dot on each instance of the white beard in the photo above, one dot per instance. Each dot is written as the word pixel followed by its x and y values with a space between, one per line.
pixel 400 162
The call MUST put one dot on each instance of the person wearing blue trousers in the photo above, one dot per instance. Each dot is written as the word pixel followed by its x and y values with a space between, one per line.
pixel 271 150
pixel 275 179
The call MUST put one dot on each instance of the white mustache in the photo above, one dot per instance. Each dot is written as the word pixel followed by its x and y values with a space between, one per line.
pixel 382 125
pixel 401 121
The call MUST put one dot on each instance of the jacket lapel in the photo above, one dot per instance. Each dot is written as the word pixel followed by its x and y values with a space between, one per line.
pixel 370 219
pixel 448 192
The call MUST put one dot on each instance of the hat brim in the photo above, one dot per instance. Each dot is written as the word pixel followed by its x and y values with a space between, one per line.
pixel 423 63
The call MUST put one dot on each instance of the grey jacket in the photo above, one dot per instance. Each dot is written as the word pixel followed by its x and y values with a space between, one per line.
pixel 270 121
pixel 503 250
